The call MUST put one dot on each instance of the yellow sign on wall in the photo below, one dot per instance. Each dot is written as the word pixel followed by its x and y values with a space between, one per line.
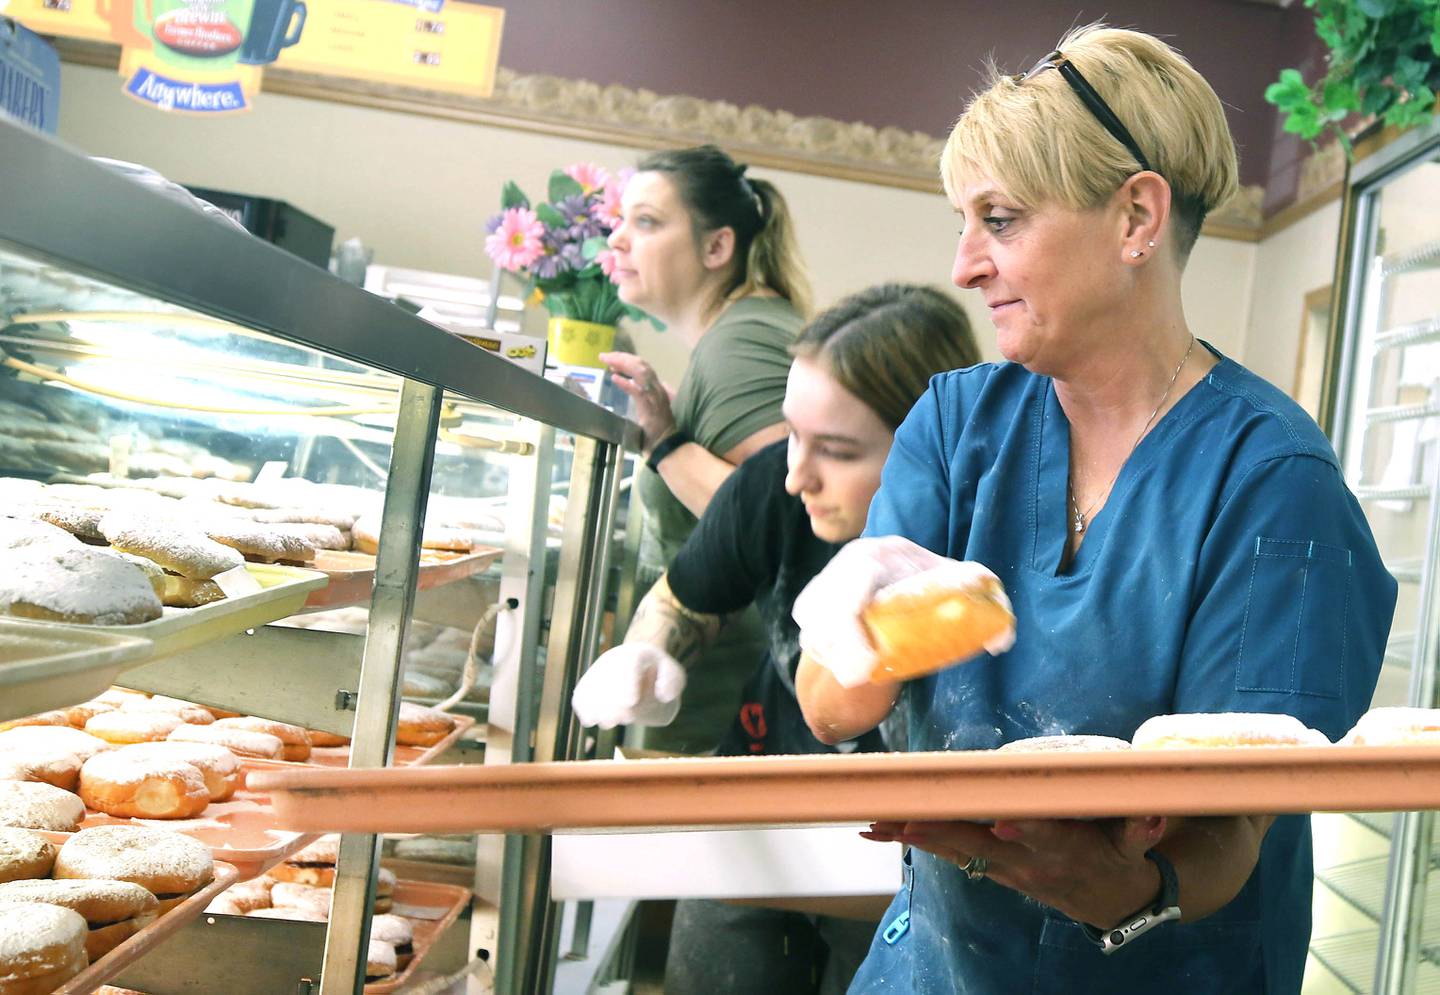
pixel 207 56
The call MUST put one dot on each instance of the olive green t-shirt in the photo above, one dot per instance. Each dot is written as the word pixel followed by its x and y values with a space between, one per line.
pixel 734 385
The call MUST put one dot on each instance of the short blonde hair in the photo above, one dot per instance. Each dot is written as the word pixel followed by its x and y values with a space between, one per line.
pixel 1042 144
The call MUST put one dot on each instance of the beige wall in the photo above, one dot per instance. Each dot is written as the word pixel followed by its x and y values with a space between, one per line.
pixel 419 189
pixel 1288 265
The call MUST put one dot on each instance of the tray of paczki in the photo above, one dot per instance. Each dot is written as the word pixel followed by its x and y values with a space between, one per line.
pixel 75 909
pixel 352 573
pixel 1197 764
pixel 409 916
pixel 149 761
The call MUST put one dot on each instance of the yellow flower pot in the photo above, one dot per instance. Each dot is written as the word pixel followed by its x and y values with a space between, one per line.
pixel 579 343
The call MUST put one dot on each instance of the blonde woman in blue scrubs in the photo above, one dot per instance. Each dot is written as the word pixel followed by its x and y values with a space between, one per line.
pixel 1174 533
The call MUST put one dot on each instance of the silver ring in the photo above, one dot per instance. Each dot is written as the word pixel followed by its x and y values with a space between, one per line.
pixel 975 868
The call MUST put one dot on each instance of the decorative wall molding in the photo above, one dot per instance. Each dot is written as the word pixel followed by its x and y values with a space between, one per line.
pixel 639 118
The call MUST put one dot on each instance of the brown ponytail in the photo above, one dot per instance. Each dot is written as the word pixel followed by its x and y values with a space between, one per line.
pixel 718 194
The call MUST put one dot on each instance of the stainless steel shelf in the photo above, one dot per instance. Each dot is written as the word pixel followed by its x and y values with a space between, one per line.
pixel 1400 649
pixel 1401 412
pixel 1407 571
pixel 1350 957
pixel 1416 333
pixel 90 219
pixel 1415 492
pixel 1360 883
pixel 1426 256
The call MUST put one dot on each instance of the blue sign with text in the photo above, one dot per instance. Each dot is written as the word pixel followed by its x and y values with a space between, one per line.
pixel 29 77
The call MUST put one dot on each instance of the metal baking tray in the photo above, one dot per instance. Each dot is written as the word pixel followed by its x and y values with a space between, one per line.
pixel 46 666
pixel 404 756
pixel 241 831
pixel 150 937
pixel 282 593
pixel 808 790
pixel 431 908
pixel 352 574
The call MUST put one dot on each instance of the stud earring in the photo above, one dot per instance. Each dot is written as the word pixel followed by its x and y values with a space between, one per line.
pixel 1136 253
pixel 1151 243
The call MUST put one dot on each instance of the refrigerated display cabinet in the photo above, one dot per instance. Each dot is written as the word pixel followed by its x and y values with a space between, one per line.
pixel 1376 928
pixel 142 340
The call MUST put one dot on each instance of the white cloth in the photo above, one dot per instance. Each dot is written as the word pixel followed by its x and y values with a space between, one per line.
pixel 632 684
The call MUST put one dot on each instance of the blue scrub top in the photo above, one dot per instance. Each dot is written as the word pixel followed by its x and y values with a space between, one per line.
pixel 1229 570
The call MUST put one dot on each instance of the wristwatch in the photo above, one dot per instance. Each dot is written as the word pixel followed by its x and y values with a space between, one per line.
pixel 665 447
pixel 1165 907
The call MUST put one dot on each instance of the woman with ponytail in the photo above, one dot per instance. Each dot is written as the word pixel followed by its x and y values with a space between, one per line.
pixel 710 252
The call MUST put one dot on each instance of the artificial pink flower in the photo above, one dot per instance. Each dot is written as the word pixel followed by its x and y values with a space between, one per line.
pixel 607 211
pixel 516 243
pixel 590 176
pixel 606 259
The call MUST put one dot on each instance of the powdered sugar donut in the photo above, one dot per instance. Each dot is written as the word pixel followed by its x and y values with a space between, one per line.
pixel 178 548
pixel 17 532
pixel 260 542
pixel 366 536
pixel 241 742
pixel 218 766
pixel 1198 730
pixel 24 854
pixel 1396 726
pixel 81 522
pixel 132 786
pixel 37 805
pixel 125 726
pixel 51 738
pixel 41 948
pixel 187 711
pixel 56 718
pixel 319 536
pixel 74 584
pixel 338 520
pixel 170 865
pixel 296 739
pixel 1063 744
pixel 420 726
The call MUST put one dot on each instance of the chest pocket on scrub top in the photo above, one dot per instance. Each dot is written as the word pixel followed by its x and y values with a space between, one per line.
pixel 1293 632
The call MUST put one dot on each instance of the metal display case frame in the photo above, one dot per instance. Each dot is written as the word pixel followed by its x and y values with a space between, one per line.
pixel 1364 270
pixel 59 207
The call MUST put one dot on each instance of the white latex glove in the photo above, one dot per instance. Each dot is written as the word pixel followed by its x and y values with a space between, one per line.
pixel 828 610
pixel 634 684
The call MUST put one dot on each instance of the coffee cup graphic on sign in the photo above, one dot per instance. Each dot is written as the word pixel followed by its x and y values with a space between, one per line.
pixel 200 34
pixel 274 24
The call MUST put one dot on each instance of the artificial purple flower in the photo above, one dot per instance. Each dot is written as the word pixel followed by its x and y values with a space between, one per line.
pixel 492 223
pixel 577 213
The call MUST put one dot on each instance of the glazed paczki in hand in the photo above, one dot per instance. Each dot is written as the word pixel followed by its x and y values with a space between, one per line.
pixel 886 609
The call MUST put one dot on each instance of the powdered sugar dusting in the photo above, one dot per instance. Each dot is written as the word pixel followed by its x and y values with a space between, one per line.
pixel 37 805
pixel 77 583
pixel 134 853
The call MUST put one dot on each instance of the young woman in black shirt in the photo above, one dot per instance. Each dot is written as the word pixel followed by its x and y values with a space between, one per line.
pixel 774 523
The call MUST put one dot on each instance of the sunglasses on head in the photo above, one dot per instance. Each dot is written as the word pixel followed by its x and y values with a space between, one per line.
pixel 1092 100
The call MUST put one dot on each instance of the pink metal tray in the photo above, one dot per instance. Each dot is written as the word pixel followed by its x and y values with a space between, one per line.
pixel 242 832
pixel 151 936
pixel 352 574
pixel 405 756
pixel 431 909
pixel 715 791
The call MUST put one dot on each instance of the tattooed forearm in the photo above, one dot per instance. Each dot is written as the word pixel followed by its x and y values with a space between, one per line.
pixel 661 620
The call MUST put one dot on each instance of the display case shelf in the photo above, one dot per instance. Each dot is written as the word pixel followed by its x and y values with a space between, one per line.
pixel 1407 570
pixel 1413 492
pixel 1416 333
pixel 1426 256
pixel 1401 412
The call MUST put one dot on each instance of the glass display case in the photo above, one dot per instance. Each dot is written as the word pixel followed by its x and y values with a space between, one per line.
pixel 160 365
pixel 1374 929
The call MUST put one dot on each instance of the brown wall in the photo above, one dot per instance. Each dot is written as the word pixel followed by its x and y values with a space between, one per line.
pixel 907 63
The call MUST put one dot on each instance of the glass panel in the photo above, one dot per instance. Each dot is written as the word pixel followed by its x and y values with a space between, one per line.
pixel 1391 457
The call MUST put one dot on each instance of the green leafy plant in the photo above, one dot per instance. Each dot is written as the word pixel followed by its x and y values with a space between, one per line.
pixel 1384 65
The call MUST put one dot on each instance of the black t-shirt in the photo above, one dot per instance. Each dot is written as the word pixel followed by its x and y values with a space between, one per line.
pixel 754 545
